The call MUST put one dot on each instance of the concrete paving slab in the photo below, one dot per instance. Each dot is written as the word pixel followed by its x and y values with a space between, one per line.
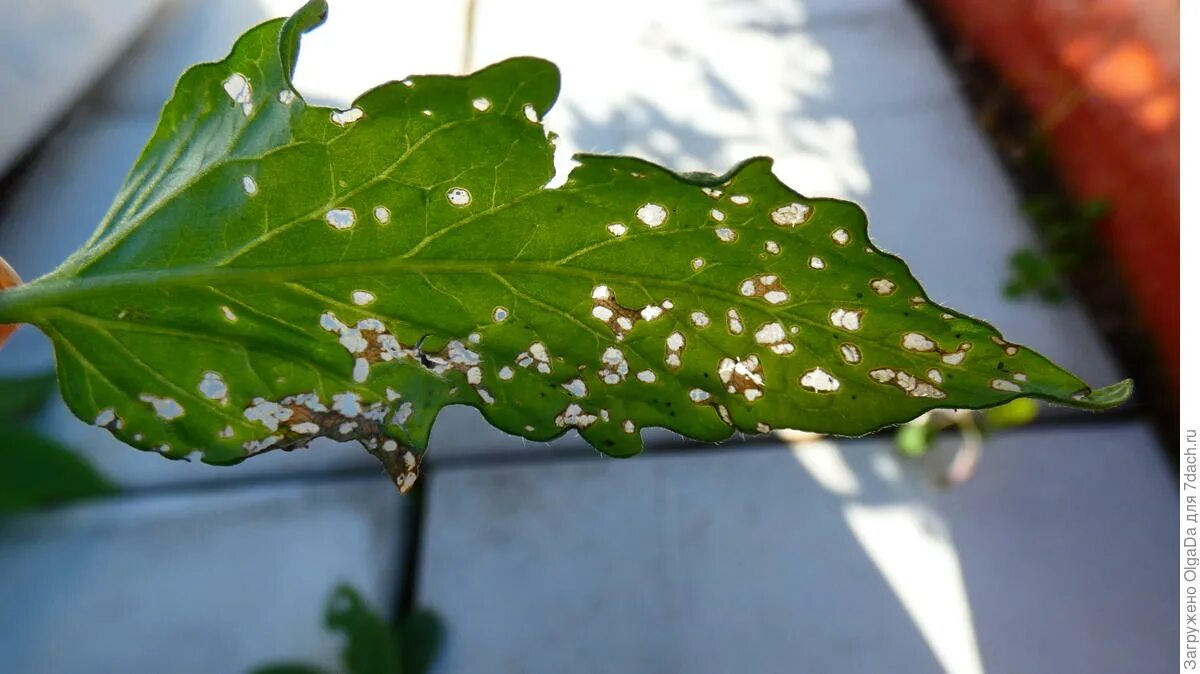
pixel 823 557
pixel 200 582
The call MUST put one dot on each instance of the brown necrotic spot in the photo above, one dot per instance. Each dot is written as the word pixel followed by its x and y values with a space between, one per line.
pixel 1008 348
pixel 742 375
pixel 912 386
pixel 620 319
pixel 766 286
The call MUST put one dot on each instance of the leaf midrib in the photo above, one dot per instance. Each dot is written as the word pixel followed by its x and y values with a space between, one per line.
pixel 22 304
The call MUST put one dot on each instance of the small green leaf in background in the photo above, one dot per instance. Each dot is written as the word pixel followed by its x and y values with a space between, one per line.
pixel 915 437
pixel 274 271
pixel 1068 230
pixel 21 397
pixel 371 646
pixel 36 471
pixel 1019 412
pixel 419 638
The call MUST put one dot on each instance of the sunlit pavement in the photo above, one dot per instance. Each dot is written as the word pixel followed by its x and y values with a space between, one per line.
pixel 827 556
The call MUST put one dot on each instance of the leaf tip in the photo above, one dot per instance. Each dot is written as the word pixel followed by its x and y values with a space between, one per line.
pixel 1104 398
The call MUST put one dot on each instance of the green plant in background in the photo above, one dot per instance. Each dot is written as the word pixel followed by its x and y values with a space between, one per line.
pixel 36 471
pixel 371 645
pixel 1068 229
pixel 272 272
pixel 916 439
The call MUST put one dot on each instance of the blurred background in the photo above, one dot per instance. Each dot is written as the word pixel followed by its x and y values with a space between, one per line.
pixel 1021 155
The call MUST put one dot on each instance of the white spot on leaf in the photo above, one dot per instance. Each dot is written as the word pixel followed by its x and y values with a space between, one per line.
pixel 846 319
pixel 772 335
pixel 347 404
pixel 617 229
pixel 106 417
pixel 267 413
pixel 576 387
pixel 306 428
pixel 362 370
pixel 249 186
pixel 345 117
pixel 790 215
pixel 340 218
pixel 883 375
pixel 675 343
pixel 819 381
pixel 1005 385
pixel 213 387
pixel 481 104
pixel 458 196
pixel 915 341
pixel 362 297
pixel 652 215
pixel 850 353
pixel 882 286
pixel 238 88
pixel 574 415
pixel 734 321
pixel 743 375
pixel 165 408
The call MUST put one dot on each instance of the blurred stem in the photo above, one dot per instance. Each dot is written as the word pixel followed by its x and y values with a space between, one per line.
pixel 970 449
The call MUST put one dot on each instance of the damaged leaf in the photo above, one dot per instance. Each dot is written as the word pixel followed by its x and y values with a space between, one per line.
pixel 273 271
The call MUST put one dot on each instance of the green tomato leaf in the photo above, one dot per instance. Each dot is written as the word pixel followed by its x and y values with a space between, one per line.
pixel 274 271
